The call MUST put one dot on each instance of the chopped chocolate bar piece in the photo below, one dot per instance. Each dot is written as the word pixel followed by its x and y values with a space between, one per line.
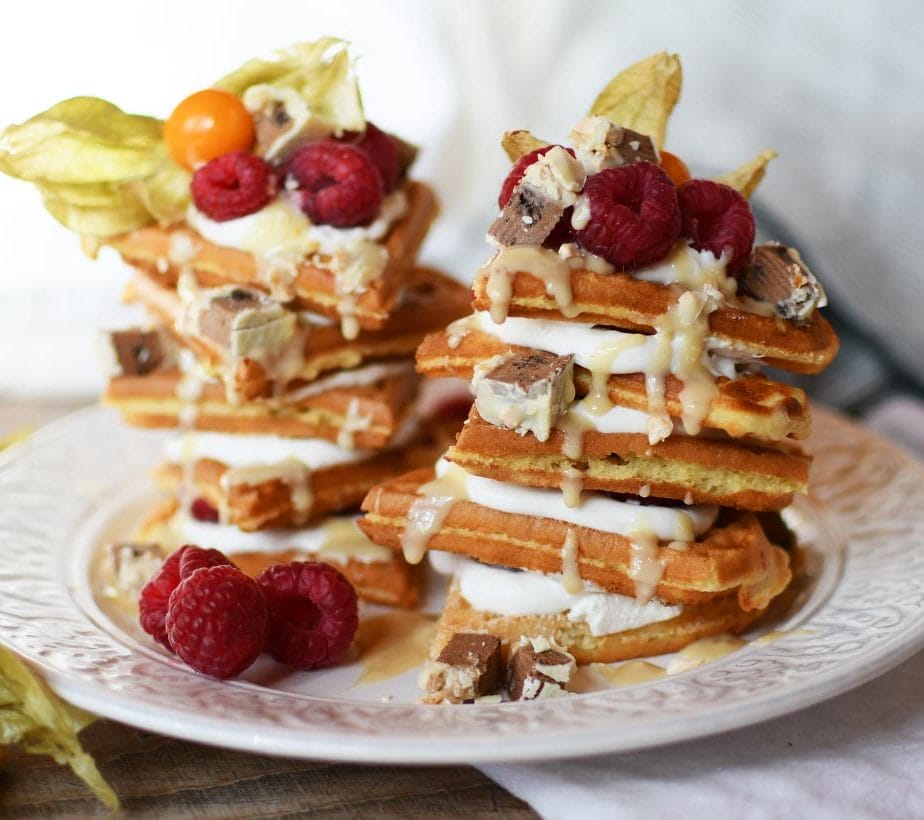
pixel 244 320
pixel 271 123
pixel 538 668
pixel 468 667
pixel 133 352
pixel 777 274
pixel 601 144
pixel 527 393
pixel 126 568
pixel 528 218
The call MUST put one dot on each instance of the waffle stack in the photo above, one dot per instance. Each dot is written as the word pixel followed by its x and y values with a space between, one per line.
pixel 272 235
pixel 278 441
pixel 615 491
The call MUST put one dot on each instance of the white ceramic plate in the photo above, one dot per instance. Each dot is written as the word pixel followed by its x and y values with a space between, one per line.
pixel 84 480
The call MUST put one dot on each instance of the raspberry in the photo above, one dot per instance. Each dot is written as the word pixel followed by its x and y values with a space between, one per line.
pixel 155 594
pixel 233 185
pixel 313 613
pixel 715 218
pixel 381 149
pixel 338 184
pixel 201 510
pixel 217 621
pixel 634 215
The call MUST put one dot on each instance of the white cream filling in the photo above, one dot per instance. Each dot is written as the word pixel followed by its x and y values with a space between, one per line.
pixel 590 345
pixel 337 538
pixel 598 512
pixel 360 377
pixel 237 450
pixel 282 232
pixel 512 593
pixel 615 420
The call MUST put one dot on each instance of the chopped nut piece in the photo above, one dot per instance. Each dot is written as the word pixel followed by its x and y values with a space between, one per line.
pixel 538 668
pixel 468 667
pixel 601 144
pixel 778 275
pixel 134 352
pixel 244 320
pixel 527 393
pixel 528 218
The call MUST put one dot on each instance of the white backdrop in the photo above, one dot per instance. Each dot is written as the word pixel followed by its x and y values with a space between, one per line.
pixel 835 87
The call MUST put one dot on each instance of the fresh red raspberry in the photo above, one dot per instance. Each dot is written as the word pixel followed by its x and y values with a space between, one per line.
pixel 313 613
pixel 716 217
pixel 634 215
pixel 155 594
pixel 217 621
pixel 233 185
pixel 338 184
pixel 382 150
pixel 201 510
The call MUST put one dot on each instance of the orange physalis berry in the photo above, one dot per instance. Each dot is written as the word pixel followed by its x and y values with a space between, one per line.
pixel 207 125
pixel 676 168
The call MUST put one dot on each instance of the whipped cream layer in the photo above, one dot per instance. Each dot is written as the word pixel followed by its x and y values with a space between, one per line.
pixel 615 420
pixel 336 539
pixel 359 377
pixel 513 593
pixel 598 512
pixel 239 450
pixel 281 230
pixel 598 349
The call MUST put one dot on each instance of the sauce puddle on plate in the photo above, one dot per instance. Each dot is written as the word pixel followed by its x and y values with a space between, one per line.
pixel 391 644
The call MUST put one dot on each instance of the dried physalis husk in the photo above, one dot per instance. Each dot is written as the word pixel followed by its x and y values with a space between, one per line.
pixel 643 96
pixel 746 178
pixel 36 719
pixel 319 72
pixel 517 144
pixel 100 171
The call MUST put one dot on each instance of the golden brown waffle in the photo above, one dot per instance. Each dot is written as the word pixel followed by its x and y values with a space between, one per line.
pixel 701 470
pixel 619 300
pixel 152 401
pixel 751 405
pixel 391 581
pixel 695 622
pixel 314 286
pixel 734 555
pixel 295 496
pixel 431 300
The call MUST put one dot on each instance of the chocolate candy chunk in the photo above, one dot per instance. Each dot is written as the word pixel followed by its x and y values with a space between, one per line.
pixel 134 352
pixel 527 393
pixel 128 567
pixel 270 123
pixel 538 668
pixel 601 144
pixel 468 667
pixel 777 274
pixel 244 320
pixel 629 146
pixel 528 218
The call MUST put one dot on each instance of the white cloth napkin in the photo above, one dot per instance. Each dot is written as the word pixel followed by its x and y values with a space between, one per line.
pixel 856 756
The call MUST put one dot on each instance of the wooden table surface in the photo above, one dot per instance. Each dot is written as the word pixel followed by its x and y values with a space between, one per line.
pixel 156 776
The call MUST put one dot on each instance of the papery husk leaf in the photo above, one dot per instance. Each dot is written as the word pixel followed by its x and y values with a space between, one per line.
pixel 36 719
pixel 320 71
pixel 747 177
pixel 643 96
pixel 125 212
pixel 81 140
pixel 517 144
